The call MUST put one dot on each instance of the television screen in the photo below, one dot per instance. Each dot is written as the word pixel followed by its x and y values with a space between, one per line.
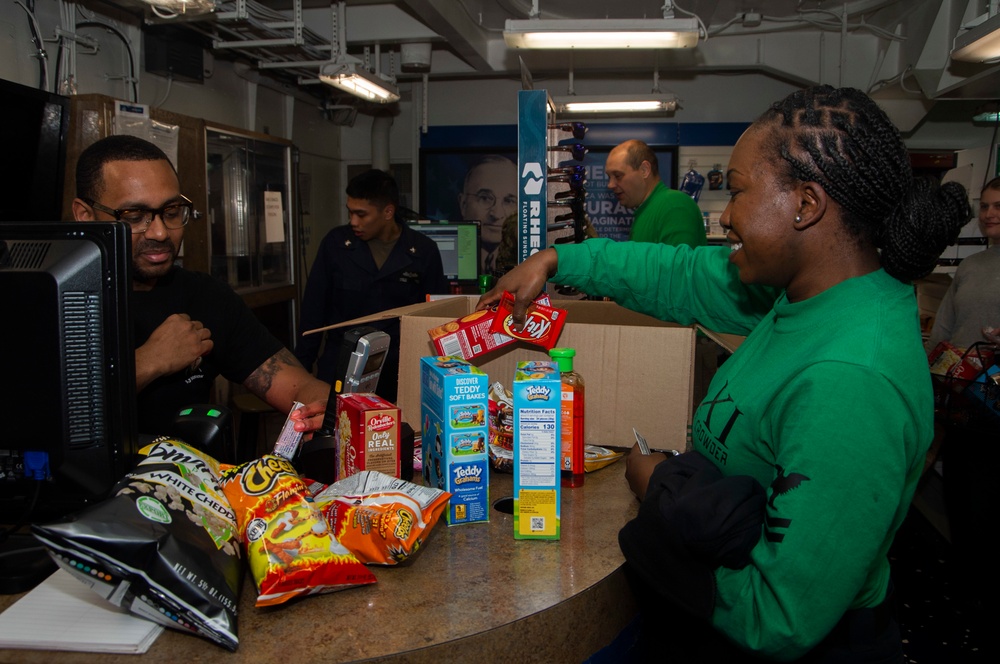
pixel 458 243
pixel 33 128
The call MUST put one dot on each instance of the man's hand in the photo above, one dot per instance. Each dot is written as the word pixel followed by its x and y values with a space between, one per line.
pixel 177 344
pixel 639 467
pixel 310 416
pixel 525 282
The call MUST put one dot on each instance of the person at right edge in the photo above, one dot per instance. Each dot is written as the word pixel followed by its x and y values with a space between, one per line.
pixel 662 214
pixel 970 313
pixel 769 538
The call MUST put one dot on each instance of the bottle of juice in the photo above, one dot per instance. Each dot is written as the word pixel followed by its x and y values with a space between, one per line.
pixel 572 420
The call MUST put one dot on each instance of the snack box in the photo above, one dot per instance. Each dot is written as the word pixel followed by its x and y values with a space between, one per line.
pixel 454 406
pixel 367 435
pixel 537 449
pixel 479 332
pixel 641 372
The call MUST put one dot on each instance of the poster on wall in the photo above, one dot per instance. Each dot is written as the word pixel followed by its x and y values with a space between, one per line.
pixel 477 184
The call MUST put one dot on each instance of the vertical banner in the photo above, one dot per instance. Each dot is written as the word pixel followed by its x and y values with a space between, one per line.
pixel 531 168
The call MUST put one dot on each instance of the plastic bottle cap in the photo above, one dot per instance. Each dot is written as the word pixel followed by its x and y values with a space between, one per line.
pixel 563 357
pixel 486 282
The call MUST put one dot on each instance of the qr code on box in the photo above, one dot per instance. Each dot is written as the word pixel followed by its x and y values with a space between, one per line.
pixel 537 523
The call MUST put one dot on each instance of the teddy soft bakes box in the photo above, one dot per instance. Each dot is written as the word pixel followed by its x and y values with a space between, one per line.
pixel 454 406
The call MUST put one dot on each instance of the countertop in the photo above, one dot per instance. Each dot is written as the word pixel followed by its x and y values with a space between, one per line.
pixel 473 593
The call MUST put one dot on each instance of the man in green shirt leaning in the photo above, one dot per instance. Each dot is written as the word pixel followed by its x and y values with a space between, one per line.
pixel 662 215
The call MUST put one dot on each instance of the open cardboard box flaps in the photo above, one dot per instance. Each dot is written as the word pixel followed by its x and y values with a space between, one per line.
pixel 639 371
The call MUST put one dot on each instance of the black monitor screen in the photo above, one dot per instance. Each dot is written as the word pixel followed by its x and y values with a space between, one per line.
pixel 67 409
pixel 458 243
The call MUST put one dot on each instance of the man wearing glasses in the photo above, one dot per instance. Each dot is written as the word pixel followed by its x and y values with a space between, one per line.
pixel 188 326
pixel 489 196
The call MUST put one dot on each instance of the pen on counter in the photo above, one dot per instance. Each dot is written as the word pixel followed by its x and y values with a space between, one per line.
pixel 644 446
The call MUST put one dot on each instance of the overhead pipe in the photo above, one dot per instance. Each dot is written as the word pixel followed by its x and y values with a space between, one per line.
pixel 381 125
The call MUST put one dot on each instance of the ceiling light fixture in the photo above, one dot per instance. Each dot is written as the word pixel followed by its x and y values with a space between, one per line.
pixel 655 103
pixel 349 74
pixel 643 33
pixel 979 43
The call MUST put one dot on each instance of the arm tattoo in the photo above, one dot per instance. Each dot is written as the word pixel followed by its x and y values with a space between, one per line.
pixel 259 382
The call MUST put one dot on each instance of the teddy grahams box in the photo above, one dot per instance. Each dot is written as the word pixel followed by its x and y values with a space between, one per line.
pixel 454 403
pixel 537 395
pixel 367 434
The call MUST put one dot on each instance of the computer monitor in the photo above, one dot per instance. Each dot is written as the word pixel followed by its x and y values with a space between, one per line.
pixel 458 242
pixel 67 409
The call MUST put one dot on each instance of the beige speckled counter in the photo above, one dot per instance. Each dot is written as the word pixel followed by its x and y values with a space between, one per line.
pixel 472 594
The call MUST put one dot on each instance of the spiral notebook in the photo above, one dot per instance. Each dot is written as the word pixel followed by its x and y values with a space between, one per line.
pixel 74 618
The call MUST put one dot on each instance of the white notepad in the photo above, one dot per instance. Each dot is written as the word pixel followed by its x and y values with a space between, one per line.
pixel 62 613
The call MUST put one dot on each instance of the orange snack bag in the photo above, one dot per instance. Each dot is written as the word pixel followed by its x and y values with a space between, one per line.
pixel 383 520
pixel 290 550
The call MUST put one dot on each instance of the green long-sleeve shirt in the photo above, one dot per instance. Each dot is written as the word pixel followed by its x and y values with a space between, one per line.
pixel 827 403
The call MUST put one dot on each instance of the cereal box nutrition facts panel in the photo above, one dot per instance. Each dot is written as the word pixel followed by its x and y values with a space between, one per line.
pixel 538 446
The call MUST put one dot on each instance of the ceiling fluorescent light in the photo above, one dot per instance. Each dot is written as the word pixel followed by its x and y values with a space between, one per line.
pixel 352 77
pixel 979 43
pixel 616 104
pixel 602 33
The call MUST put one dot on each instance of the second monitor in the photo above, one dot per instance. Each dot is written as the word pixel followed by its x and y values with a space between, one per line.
pixel 458 242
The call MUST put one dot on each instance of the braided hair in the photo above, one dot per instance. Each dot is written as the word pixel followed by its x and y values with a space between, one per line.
pixel 840 139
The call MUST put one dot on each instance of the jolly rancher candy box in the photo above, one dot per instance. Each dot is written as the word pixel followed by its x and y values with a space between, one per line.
pixel 454 403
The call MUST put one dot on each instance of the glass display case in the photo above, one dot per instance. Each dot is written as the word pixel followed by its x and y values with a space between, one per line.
pixel 251 208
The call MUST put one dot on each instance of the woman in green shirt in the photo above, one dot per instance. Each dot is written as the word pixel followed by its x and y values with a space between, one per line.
pixel 773 531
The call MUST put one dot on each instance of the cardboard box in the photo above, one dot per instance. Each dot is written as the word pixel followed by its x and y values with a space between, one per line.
pixel 537 396
pixel 454 407
pixel 640 371
pixel 368 433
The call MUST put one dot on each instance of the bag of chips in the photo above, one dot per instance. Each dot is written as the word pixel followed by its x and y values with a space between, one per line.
pixel 164 546
pixel 383 520
pixel 290 550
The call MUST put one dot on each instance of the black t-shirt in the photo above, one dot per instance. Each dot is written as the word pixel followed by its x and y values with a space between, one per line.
pixel 242 343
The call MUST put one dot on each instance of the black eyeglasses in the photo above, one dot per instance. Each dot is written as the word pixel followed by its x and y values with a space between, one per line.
pixel 174 215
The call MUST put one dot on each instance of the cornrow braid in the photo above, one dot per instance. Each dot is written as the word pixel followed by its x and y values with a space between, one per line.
pixel 841 139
